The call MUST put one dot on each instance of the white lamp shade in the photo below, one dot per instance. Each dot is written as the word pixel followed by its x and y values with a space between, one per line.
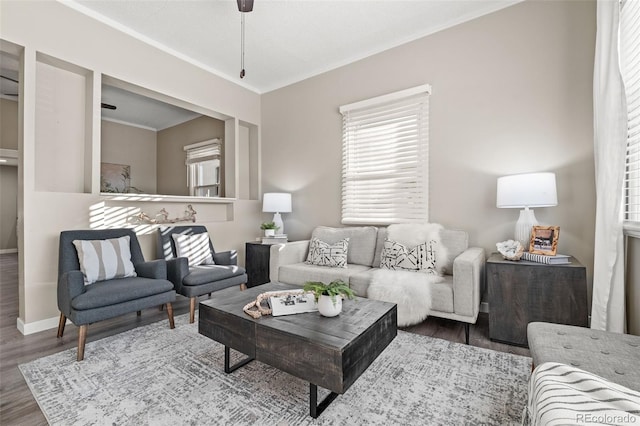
pixel 276 202
pixel 527 190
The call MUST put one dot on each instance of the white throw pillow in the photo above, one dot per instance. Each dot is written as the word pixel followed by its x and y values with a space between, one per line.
pixel 421 258
pixel 195 248
pixel 102 260
pixel 323 254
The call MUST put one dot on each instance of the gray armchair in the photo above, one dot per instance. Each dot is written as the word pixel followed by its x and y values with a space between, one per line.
pixel 85 304
pixel 193 281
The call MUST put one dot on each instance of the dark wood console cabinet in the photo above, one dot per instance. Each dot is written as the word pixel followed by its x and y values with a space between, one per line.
pixel 522 292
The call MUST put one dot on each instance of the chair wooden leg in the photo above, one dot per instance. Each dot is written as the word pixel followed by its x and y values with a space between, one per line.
pixel 82 338
pixel 139 313
pixel 192 310
pixel 170 315
pixel 243 287
pixel 209 295
pixel 160 308
pixel 61 324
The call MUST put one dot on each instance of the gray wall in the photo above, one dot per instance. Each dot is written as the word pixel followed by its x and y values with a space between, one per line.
pixel 132 146
pixel 512 93
pixel 53 29
pixel 172 174
pixel 8 176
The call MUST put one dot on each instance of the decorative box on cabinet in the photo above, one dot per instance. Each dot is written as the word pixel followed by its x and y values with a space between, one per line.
pixel 257 263
pixel 522 292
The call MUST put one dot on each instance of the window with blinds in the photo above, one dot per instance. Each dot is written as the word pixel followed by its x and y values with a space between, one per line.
pixel 203 168
pixel 630 67
pixel 385 159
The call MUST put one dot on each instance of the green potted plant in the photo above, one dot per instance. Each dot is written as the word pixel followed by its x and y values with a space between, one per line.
pixel 269 229
pixel 329 296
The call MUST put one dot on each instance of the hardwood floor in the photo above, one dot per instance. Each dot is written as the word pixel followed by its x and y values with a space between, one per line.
pixel 17 406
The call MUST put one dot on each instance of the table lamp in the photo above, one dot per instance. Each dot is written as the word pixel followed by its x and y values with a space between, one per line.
pixel 277 202
pixel 524 191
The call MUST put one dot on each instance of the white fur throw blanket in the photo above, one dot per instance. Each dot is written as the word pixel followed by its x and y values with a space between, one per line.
pixel 410 289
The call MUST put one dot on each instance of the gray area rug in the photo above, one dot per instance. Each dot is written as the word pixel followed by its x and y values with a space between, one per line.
pixel 157 376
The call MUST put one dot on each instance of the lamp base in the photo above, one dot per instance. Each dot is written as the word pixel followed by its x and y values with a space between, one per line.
pixel 277 219
pixel 524 224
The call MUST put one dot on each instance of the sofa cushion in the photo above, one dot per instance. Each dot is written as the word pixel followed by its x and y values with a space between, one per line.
pixel 203 274
pixel 362 241
pixel 299 273
pixel 614 356
pixel 456 242
pixel 442 295
pixel 119 290
pixel 360 281
pixel 380 239
pixel 194 247
pixel 324 254
pixel 102 260
pixel 434 255
pixel 420 258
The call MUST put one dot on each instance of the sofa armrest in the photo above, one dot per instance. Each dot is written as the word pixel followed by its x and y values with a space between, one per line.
pixel 286 254
pixel 70 286
pixel 177 269
pixel 226 257
pixel 468 274
pixel 155 269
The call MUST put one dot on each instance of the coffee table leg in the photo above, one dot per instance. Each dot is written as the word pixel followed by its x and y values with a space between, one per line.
pixel 231 368
pixel 316 409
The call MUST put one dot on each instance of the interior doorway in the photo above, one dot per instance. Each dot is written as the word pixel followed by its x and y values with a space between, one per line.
pixel 9 94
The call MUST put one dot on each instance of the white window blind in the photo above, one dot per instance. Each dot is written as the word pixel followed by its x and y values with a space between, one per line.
pixel 630 67
pixel 202 153
pixel 385 158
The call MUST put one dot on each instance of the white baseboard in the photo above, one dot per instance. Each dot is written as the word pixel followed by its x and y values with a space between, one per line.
pixel 7 251
pixel 37 326
pixel 484 307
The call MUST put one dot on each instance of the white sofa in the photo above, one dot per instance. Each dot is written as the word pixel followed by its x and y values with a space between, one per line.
pixel 457 297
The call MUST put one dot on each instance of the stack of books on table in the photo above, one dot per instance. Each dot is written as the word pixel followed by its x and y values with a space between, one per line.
pixel 276 239
pixel 558 259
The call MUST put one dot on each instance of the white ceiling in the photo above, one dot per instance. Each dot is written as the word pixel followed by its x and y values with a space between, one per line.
pixel 142 111
pixel 286 41
pixel 9 65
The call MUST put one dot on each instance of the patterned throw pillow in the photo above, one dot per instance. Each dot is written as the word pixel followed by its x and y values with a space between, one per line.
pixel 102 260
pixel 323 254
pixel 195 248
pixel 421 258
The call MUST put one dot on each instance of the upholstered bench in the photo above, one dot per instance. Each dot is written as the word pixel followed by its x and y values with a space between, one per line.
pixel 582 376
pixel 613 356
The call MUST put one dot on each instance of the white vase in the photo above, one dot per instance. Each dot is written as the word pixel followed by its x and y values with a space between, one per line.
pixel 269 232
pixel 327 308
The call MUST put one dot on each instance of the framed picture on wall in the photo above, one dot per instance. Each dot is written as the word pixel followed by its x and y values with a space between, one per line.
pixel 115 177
pixel 544 240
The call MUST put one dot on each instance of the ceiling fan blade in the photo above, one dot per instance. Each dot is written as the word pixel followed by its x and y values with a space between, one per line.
pixel 107 106
pixel 9 94
pixel 245 5
pixel 9 78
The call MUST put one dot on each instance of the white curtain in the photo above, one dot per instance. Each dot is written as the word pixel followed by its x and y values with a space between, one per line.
pixel 610 132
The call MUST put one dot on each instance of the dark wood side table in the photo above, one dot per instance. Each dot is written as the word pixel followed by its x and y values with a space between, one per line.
pixel 522 292
pixel 257 263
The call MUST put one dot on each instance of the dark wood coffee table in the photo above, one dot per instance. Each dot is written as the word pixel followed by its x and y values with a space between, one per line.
pixel 327 352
